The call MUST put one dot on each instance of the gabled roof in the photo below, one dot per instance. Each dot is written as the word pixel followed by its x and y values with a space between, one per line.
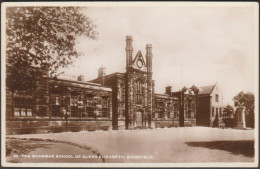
pixel 206 89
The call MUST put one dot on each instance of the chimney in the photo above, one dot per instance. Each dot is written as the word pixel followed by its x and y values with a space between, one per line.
pixel 101 75
pixel 129 51
pixel 149 57
pixel 168 90
pixel 81 78
pixel 101 72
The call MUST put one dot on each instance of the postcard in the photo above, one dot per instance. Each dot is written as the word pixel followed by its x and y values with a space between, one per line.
pixel 130 84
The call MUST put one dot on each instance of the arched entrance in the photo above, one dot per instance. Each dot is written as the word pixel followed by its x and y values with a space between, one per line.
pixel 139 118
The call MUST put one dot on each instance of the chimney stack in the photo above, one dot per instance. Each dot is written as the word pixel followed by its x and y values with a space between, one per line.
pixel 149 56
pixel 129 51
pixel 168 90
pixel 101 72
pixel 81 78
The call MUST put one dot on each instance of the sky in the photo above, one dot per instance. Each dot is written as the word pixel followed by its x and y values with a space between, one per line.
pixel 191 45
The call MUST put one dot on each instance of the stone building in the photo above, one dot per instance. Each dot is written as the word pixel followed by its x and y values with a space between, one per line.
pixel 132 90
pixel 187 104
pixel 210 105
pixel 165 111
pixel 135 105
pixel 57 104
pixel 115 101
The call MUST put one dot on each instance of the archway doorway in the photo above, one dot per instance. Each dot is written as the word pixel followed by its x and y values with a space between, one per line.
pixel 139 118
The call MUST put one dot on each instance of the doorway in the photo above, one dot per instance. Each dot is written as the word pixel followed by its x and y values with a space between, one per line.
pixel 139 118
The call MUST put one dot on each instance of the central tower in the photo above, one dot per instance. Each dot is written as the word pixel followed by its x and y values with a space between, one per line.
pixel 138 87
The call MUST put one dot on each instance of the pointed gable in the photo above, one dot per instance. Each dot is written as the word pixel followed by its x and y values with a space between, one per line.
pixel 139 56
pixel 139 61
pixel 206 89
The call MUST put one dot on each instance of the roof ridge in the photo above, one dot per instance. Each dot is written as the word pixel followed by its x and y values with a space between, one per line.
pixel 207 89
pixel 208 85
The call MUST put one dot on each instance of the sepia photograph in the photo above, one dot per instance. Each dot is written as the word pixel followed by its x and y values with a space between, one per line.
pixel 129 84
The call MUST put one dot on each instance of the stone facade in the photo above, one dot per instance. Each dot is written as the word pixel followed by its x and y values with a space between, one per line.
pixel 55 102
pixel 135 104
pixel 165 111
pixel 115 101
pixel 132 90
pixel 187 105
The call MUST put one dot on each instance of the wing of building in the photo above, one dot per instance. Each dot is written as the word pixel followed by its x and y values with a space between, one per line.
pixel 210 105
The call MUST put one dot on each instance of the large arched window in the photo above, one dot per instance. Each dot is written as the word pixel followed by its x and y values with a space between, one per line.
pixel 139 92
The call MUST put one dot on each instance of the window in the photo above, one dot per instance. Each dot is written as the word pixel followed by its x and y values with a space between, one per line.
pixel 216 98
pixel 29 112
pixel 55 105
pixel 122 92
pixel 189 114
pixel 22 104
pixel 89 101
pixel 160 109
pixel 23 112
pixel 176 111
pixel 55 99
pixel 217 111
pixel 168 110
pixel 139 92
pixel 74 106
pixel 82 111
pixel 220 112
pixel 189 104
pixel 90 111
pixel 104 112
pixel 90 105
pixel 189 108
pixel 55 111
pixel 16 112
pixel 213 113
pixel 104 102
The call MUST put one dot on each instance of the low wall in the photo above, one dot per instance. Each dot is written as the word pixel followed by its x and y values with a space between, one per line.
pixel 165 123
pixel 189 123
pixel 47 126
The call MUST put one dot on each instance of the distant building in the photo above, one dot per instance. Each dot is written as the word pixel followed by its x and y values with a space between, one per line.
pixel 210 105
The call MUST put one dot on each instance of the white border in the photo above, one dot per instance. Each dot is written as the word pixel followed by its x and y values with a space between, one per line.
pixel 131 4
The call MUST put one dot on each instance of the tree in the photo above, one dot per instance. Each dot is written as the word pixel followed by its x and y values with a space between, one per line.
pixel 247 100
pixel 42 38
pixel 216 121
pixel 228 116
